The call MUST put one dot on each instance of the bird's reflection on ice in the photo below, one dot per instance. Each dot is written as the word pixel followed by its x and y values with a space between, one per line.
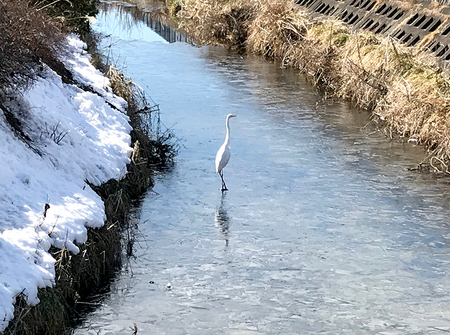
pixel 222 220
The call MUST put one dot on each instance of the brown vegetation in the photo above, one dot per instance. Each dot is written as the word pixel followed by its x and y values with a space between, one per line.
pixel 27 36
pixel 76 276
pixel 31 32
pixel 402 87
pixel 216 22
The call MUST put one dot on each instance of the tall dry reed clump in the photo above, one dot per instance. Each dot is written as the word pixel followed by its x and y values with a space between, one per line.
pixel 402 86
pixel 417 107
pixel 276 31
pixel 216 22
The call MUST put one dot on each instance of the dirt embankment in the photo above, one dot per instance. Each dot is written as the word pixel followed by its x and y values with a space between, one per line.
pixel 402 87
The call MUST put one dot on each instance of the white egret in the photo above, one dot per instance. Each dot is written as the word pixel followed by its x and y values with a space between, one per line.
pixel 223 155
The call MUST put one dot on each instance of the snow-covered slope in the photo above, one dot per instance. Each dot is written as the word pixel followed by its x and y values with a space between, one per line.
pixel 78 137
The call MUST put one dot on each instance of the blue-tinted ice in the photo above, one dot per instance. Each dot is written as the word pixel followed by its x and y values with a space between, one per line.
pixel 323 229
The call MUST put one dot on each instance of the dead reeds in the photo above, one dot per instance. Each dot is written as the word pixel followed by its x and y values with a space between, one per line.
pixel 276 30
pixel 215 22
pixel 27 36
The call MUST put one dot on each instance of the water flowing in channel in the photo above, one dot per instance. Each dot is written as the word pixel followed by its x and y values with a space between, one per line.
pixel 324 230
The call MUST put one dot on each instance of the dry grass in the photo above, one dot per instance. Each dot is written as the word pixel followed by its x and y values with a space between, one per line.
pixel 403 86
pixel 365 73
pixel 48 317
pixel 27 36
pixel 121 86
pixel 216 22
pixel 276 30
pixel 417 107
pixel 76 276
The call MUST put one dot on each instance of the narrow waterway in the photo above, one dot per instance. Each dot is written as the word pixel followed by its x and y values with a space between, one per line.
pixel 324 230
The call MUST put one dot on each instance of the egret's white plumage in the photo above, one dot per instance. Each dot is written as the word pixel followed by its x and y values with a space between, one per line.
pixel 223 155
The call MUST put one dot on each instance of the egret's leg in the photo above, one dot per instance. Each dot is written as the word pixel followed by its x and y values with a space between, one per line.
pixel 224 186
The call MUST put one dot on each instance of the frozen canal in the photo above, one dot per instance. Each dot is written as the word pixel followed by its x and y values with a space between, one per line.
pixel 323 229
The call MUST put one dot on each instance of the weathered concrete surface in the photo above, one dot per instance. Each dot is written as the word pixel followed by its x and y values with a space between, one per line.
pixel 425 24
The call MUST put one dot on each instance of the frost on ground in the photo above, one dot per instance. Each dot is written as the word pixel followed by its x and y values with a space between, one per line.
pixel 76 136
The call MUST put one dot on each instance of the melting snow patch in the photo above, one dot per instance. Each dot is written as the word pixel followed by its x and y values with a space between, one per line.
pixel 77 136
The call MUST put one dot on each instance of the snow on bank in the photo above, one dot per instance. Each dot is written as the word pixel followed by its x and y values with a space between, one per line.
pixel 78 137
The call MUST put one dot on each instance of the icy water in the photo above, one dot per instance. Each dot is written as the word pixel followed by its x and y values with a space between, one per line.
pixel 324 230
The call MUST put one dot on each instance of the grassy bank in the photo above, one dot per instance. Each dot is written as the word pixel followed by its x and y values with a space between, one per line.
pixel 80 275
pixel 36 37
pixel 403 88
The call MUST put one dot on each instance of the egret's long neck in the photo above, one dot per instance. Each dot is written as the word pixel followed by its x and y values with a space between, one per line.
pixel 227 137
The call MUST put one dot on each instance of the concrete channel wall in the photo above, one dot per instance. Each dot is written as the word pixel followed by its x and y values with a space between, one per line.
pixel 421 24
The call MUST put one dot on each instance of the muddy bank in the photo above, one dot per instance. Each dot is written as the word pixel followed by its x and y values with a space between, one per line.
pixel 405 89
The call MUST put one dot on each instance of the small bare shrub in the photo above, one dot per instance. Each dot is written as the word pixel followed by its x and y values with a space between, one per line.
pixel 54 133
pixel 156 148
